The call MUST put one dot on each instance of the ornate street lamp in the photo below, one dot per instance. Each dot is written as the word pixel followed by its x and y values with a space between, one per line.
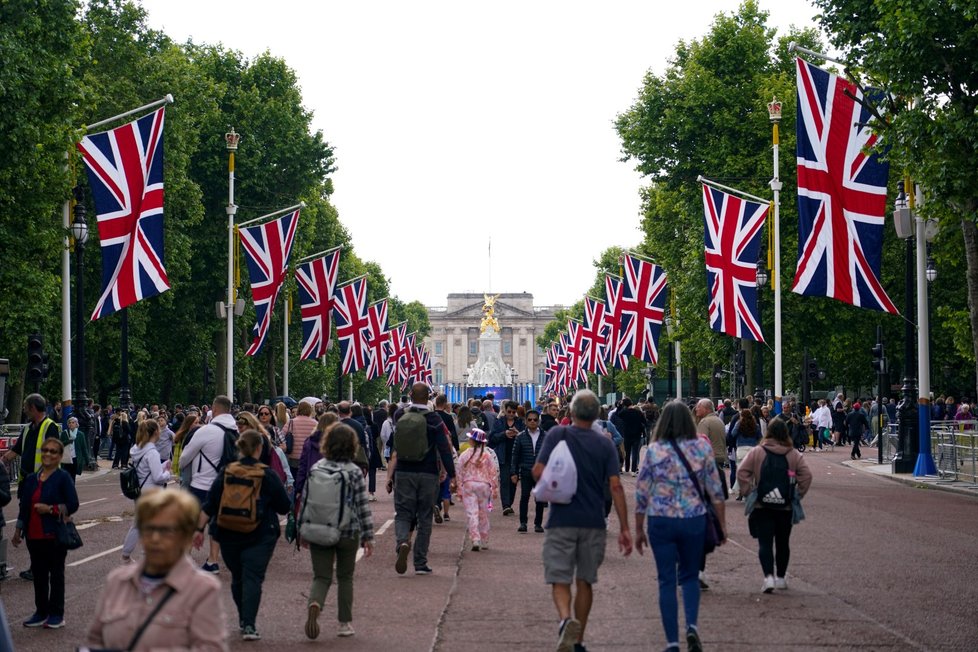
pixel 761 273
pixel 931 270
pixel 79 231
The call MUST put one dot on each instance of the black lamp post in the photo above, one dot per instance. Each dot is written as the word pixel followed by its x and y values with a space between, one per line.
pixel 79 231
pixel 908 442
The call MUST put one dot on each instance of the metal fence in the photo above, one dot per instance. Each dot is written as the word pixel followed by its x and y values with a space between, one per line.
pixel 8 435
pixel 954 445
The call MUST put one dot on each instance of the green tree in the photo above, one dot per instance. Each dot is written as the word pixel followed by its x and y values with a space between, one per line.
pixel 922 54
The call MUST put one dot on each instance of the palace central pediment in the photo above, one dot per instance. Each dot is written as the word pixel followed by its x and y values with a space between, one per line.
pixel 474 311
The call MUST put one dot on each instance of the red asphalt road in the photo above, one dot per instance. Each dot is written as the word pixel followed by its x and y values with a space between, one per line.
pixel 877 565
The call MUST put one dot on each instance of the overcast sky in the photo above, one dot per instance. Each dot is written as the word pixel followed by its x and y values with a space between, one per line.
pixel 456 121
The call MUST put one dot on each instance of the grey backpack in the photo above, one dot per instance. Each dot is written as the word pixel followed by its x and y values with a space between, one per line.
pixel 327 508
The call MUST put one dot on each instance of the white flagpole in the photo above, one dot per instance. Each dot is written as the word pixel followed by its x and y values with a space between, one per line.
pixel 231 139
pixel 285 347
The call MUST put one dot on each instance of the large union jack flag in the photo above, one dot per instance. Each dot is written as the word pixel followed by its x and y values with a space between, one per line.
pixel 841 194
pixel 378 338
pixel 317 280
pixel 350 310
pixel 267 248
pixel 613 320
pixel 550 370
pixel 397 361
pixel 125 172
pixel 733 242
pixel 594 335
pixel 575 353
pixel 642 306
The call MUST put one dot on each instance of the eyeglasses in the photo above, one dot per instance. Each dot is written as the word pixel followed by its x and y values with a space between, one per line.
pixel 264 414
pixel 50 451
pixel 165 531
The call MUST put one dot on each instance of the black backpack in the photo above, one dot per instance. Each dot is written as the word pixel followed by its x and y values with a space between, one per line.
pixel 129 481
pixel 228 454
pixel 776 482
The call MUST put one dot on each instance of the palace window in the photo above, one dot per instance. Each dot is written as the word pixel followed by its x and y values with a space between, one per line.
pixel 473 348
pixel 438 376
pixel 439 346
pixel 507 348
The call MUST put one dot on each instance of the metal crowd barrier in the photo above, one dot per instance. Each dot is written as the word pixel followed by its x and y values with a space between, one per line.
pixel 8 435
pixel 954 445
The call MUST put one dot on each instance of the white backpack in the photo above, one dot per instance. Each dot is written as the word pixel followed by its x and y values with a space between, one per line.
pixel 558 482
pixel 327 508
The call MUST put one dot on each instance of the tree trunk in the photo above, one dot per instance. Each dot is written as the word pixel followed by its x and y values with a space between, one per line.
pixel 970 232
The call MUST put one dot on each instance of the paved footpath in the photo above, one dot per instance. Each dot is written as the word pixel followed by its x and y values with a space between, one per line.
pixel 877 565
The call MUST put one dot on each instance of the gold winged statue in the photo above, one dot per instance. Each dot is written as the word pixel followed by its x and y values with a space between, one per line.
pixel 489 314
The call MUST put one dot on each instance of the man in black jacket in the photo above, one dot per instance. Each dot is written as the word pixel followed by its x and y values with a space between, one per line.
pixel 504 432
pixel 633 422
pixel 549 418
pixel 523 457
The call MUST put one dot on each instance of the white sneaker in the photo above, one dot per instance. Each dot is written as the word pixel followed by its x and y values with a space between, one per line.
pixel 768 584
pixel 345 629
pixel 780 583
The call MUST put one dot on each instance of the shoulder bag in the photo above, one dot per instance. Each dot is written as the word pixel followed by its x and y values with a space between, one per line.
pixel 714 531
pixel 67 534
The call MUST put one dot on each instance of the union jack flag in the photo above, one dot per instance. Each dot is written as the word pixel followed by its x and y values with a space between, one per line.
pixel 575 353
pixel 267 247
pixel 413 359
pixel 642 305
pixel 841 194
pixel 613 320
pixel 425 373
pixel 397 361
pixel 563 379
pixel 378 337
pixel 733 241
pixel 317 280
pixel 125 172
pixel 550 370
pixel 350 310
pixel 594 334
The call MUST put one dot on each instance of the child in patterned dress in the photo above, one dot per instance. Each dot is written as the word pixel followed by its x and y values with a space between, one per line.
pixel 477 474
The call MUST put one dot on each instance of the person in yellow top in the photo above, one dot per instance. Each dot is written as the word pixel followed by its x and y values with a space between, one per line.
pixel 28 445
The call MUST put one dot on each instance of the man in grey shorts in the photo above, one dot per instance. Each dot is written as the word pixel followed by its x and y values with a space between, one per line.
pixel 576 532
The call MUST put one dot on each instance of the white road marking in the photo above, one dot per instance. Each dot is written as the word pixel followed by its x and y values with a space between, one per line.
pixel 383 528
pixel 95 556
pixel 89 502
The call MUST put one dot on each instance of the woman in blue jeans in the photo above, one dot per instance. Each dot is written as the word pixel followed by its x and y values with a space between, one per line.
pixel 672 501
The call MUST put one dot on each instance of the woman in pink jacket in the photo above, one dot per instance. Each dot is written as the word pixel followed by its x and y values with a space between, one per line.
pixel 477 474
pixel 164 602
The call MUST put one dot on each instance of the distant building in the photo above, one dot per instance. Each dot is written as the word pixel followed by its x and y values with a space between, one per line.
pixel 453 341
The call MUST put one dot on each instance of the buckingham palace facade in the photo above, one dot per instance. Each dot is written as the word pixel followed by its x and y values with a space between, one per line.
pixel 455 329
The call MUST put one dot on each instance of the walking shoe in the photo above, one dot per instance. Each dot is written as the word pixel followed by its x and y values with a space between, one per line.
pixel 345 629
pixel 579 647
pixel 703 585
pixel 569 632
pixel 422 570
pixel 249 633
pixel 27 575
pixel 693 643
pixel 768 584
pixel 446 517
pixel 484 544
pixel 312 621
pixel 402 554
pixel 508 511
pixel 438 516
pixel 54 622
pixel 211 568
pixel 372 499
pixel 780 583
pixel 35 621
pixel 538 529
pixel 521 528
pixel 476 546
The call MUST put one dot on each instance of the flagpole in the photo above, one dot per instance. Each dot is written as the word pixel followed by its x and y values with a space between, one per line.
pixel 280 211
pixel 735 191
pixel 285 347
pixel 231 138
pixel 319 253
pixel 794 47
pixel 166 99
pixel 774 112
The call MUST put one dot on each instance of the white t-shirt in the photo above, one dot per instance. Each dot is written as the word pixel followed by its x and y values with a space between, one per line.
pixel 209 442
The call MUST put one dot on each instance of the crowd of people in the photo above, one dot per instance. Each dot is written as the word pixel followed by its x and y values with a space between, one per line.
pixel 240 469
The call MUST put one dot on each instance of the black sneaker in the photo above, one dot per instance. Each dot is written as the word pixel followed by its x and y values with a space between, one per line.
pixel 422 570
pixel 27 575
pixel 521 528
pixel 402 554
pixel 693 643
pixel 538 529
pixel 438 516
pixel 508 511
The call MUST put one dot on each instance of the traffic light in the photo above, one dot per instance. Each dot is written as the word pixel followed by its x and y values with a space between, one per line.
pixel 208 375
pixel 812 371
pixel 37 368
pixel 741 367
pixel 879 361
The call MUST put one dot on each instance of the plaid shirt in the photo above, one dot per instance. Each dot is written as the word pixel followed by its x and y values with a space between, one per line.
pixel 362 520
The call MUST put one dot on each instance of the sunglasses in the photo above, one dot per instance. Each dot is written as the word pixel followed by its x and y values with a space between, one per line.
pixel 50 451
pixel 264 414
pixel 529 419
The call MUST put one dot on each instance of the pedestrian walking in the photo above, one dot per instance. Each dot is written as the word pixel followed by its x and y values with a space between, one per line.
pixel 165 442
pixel 245 524
pixel 856 425
pixel 68 437
pixel 525 450
pixel 478 484
pixel 355 530
pixel 121 430
pixel 677 478
pixel 46 497
pixel 503 434
pixel 773 477
pixel 151 472
pixel 163 602
pixel 576 532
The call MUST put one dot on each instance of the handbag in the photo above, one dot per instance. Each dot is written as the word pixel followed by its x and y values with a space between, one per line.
pixel 67 534
pixel 713 528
